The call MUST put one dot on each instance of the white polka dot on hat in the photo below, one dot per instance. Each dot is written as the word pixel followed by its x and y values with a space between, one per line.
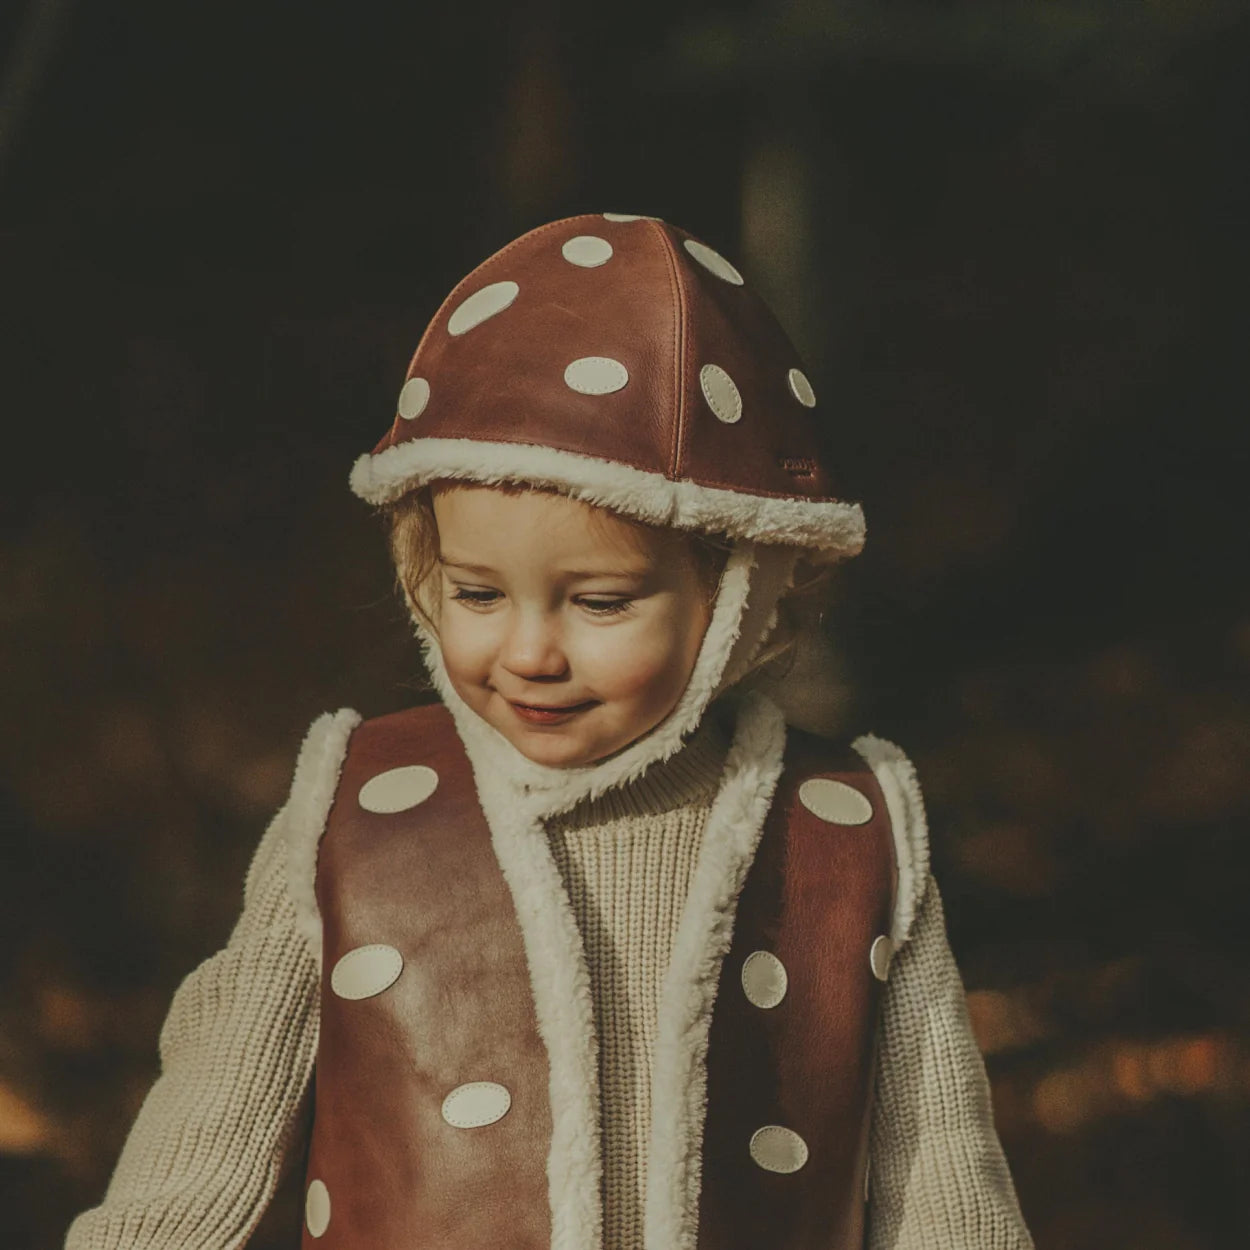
pixel 713 261
pixel 587 251
pixel 722 395
pixel 596 375
pixel 481 306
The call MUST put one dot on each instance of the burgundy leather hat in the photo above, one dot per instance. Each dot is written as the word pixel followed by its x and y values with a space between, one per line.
pixel 619 359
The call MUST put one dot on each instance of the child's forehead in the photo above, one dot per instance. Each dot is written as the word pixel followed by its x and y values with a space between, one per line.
pixel 531 499
pixel 568 523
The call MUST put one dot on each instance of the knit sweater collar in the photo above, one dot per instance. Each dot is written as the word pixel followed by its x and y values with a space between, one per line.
pixel 691 775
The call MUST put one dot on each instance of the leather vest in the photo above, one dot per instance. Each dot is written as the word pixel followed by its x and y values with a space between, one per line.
pixel 426 992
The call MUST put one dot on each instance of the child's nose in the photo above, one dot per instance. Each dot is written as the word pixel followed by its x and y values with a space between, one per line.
pixel 532 648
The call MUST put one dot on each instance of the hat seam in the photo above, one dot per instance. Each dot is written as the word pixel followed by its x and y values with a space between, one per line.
pixel 677 449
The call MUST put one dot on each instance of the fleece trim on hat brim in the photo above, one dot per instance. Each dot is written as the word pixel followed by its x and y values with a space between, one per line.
pixel 831 528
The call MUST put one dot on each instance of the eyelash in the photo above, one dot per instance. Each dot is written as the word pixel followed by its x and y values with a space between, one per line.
pixel 610 607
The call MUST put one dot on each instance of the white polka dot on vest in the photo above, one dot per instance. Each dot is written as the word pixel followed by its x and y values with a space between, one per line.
pixel 476 1104
pixel 721 394
pixel 317 1209
pixel 713 261
pixel 413 398
pixel 596 375
pixel 835 801
pixel 398 789
pixel 778 1149
pixel 480 306
pixel 366 971
pixel 587 250
pixel 880 957
pixel 764 979
pixel 801 388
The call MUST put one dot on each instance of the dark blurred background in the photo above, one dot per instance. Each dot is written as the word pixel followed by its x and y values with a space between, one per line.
pixel 1010 239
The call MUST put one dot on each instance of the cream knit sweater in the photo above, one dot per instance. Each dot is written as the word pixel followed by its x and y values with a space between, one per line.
pixel 238 1046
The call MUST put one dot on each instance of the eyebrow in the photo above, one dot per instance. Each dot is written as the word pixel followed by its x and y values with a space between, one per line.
pixel 638 574
pixel 460 564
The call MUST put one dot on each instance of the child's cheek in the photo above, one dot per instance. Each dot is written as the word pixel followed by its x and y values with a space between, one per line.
pixel 647 662
pixel 467 647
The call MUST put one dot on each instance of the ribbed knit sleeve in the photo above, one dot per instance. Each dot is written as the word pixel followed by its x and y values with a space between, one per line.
pixel 938 1177
pixel 237 1047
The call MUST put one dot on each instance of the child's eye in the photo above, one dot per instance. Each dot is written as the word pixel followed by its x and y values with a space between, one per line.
pixel 600 607
pixel 605 607
pixel 475 596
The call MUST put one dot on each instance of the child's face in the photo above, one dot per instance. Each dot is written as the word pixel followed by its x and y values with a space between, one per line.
pixel 547 601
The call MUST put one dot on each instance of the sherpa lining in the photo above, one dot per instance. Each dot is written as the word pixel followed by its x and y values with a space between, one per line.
pixel 833 529
pixel 897 778
pixel 316 779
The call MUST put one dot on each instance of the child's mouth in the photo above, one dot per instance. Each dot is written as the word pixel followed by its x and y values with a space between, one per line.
pixel 548 715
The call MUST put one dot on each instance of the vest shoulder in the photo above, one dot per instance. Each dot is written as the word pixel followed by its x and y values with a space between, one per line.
pixel 406 724
pixel 424 735
pixel 897 777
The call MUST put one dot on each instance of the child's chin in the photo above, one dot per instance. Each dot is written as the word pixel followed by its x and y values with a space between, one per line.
pixel 555 754
pixel 556 751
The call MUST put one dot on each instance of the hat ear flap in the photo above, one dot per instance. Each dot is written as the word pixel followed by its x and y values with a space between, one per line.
pixel 772 575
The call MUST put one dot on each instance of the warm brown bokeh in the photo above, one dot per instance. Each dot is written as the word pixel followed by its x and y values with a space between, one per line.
pixel 1011 242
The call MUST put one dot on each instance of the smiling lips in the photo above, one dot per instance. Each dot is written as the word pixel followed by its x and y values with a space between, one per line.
pixel 546 715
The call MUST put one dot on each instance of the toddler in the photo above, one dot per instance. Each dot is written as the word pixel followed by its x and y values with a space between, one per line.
pixel 607 949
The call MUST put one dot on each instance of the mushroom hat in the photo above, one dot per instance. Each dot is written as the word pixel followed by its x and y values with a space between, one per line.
pixel 619 360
